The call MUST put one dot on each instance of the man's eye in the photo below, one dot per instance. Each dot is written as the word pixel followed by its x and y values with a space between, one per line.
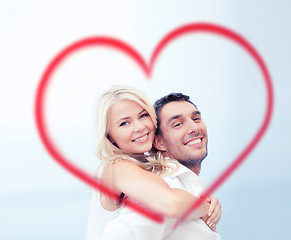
pixel 144 115
pixel 196 119
pixel 123 124
pixel 177 125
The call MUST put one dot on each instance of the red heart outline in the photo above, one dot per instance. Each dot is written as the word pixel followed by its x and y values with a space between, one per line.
pixel 148 69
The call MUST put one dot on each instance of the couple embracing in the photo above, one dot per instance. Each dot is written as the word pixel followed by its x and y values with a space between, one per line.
pixel 152 155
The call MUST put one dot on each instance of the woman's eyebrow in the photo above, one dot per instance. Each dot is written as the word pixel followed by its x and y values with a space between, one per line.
pixel 141 111
pixel 126 118
pixel 122 119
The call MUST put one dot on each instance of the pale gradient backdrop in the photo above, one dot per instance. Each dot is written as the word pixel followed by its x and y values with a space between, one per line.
pixel 40 200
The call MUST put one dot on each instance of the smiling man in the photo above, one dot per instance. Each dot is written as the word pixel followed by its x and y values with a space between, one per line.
pixel 182 135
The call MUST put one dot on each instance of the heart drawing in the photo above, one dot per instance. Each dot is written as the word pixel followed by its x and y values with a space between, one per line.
pixel 147 69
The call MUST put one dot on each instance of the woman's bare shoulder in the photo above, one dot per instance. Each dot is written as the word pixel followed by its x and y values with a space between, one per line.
pixel 107 181
pixel 122 166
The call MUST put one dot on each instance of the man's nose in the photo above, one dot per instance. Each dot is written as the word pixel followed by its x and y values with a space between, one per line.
pixel 192 127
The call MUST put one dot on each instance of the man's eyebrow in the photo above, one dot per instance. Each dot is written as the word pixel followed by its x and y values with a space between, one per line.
pixel 174 117
pixel 196 112
pixel 179 115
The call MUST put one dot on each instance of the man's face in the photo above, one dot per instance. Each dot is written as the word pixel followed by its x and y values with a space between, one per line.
pixel 184 135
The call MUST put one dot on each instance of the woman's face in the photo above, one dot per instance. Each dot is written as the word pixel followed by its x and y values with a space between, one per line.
pixel 130 127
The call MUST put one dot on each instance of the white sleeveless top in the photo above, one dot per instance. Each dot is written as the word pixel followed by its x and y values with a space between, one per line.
pixel 98 217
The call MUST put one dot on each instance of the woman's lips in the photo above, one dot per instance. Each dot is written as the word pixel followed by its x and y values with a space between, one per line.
pixel 142 138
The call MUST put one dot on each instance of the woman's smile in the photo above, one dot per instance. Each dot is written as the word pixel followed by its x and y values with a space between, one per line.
pixel 142 138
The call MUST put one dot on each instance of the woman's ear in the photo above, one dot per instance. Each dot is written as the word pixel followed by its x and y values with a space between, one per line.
pixel 159 144
pixel 110 138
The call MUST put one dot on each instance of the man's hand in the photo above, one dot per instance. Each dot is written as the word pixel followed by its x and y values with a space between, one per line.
pixel 214 213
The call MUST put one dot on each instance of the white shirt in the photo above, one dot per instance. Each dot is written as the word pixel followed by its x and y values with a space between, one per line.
pixel 127 224
pixel 196 229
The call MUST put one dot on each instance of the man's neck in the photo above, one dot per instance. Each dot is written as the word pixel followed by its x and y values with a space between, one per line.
pixel 195 169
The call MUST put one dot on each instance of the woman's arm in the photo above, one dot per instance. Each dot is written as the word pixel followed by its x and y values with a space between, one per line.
pixel 149 189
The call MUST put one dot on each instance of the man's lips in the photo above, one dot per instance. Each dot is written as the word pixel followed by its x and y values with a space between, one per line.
pixel 141 139
pixel 194 141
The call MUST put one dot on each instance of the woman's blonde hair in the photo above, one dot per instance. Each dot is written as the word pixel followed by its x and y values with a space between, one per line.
pixel 107 151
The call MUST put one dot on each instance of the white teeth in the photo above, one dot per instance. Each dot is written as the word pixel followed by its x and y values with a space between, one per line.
pixel 194 142
pixel 141 139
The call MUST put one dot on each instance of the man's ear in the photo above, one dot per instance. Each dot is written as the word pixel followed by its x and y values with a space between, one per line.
pixel 159 144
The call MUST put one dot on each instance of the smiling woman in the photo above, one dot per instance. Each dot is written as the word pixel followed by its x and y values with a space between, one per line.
pixel 126 124
pixel 124 116
pixel 131 127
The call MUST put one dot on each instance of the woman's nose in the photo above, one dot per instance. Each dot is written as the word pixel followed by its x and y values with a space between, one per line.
pixel 138 126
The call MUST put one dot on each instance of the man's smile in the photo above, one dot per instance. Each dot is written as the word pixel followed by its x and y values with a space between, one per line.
pixel 194 142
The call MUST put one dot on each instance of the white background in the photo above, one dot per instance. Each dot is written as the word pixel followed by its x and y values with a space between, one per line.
pixel 41 200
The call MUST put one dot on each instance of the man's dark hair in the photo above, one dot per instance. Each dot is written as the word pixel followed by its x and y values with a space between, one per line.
pixel 160 103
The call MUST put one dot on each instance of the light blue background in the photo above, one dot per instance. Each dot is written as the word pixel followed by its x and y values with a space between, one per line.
pixel 39 200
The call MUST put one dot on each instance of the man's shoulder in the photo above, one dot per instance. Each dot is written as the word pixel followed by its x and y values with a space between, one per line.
pixel 179 169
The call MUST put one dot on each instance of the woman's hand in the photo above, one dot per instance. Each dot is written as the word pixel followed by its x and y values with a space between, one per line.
pixel 214 213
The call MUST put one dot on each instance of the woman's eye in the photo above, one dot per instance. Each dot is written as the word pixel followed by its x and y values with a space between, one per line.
pixel 123 124
pixel 196 119
pixel 144 115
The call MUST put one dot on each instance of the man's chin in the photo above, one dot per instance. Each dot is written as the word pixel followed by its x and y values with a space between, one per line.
pixel 199 157
pixel 195 160
pixel 205 155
